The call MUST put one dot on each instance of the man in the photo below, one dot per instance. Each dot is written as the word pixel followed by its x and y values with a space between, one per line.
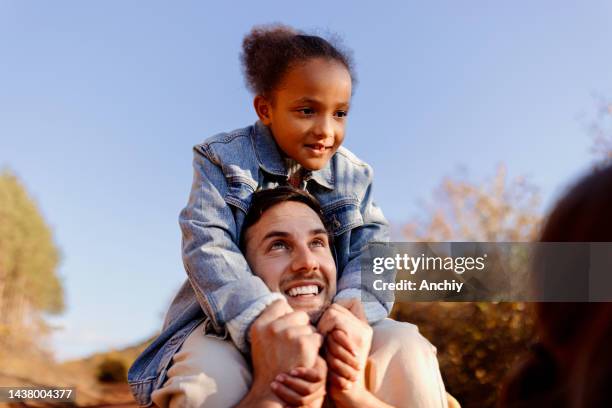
pixel 287 245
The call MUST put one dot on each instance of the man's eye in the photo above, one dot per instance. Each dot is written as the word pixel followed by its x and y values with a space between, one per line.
pixel 278 245
pixel 318 243
pixel 341 114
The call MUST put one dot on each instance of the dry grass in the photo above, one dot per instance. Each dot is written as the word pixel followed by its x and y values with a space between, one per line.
pixel 26 364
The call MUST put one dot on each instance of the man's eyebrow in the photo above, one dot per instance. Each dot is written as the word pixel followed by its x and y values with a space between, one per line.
pixel 284 234
pixel 275 234
pixel 318 231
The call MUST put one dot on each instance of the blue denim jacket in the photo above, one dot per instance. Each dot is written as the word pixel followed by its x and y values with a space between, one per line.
pixel 221 289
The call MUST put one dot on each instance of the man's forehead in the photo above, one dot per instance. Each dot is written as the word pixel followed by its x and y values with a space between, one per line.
pixel 291 212
pixel 289 217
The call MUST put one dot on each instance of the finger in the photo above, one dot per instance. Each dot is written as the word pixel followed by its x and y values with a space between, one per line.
pixel 341 338
pixel 340 308
pixel 341 353
pixel 293 332
pixel 354 305
pixel 339 382
pixel 342 369
pixel 357 309
pixel 333 318
pixel 337 317
pixel 288 320
pixel 295 318
pixel 291 397
pixel 299 385
pixel 317 373
pixel 307 374
pixel 317 340
pixel 274 311
pixel 286 394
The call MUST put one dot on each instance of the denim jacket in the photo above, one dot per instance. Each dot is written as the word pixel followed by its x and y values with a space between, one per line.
pixel 221 289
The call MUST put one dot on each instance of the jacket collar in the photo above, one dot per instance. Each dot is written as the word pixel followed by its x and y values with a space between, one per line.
pixel 271 161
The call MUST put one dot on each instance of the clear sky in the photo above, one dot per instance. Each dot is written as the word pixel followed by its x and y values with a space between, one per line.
pixel 101 102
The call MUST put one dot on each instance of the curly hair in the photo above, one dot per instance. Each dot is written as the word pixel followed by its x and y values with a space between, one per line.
pixel 268 51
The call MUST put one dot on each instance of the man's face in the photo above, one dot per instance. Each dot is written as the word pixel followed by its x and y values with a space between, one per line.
pixel 289 249
pixel 308 113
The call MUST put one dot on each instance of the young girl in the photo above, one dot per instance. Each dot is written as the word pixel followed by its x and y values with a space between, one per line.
pixel 303 87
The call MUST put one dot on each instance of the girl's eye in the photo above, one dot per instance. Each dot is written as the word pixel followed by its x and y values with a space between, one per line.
pixel 341 114
pixel 306 111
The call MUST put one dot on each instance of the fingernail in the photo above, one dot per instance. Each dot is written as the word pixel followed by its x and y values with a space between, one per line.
pixel 274 385
pixel 294 372
pixel 280 378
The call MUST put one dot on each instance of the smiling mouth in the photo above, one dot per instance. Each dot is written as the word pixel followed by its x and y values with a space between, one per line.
pixel 304 291
pixel 319 147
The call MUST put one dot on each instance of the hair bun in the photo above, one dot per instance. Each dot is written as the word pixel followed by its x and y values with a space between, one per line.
pixel 268 50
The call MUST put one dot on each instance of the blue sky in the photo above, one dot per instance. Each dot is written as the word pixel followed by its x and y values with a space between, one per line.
pixel 101 102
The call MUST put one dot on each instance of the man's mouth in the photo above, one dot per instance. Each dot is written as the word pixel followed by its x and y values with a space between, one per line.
pixel 309 290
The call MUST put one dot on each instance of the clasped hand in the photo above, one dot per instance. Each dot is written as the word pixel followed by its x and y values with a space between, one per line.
pixel 293 369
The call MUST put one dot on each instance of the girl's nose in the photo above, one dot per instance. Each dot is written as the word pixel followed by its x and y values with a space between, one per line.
pixel 324 127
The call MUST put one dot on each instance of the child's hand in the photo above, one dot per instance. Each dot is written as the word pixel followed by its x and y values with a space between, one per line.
pixel 355 306
pixel 302 387
pixel 342 360
pixel 348 341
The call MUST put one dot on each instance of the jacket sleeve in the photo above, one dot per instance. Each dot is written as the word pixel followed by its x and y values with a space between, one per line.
pixel 224 285
pixel 375 228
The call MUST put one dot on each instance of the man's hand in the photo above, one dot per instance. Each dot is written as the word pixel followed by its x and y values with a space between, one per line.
pixel 355 306
pixel 302 387
pixel 281 339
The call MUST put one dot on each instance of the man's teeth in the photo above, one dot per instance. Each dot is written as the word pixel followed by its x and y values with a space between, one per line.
pixel 304 290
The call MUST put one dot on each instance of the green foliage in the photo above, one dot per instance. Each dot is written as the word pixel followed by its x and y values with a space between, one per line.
pixel 28 255
pixel 477 343
pixel 111 370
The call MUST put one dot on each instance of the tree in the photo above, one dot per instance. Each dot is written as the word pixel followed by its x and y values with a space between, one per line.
pixel 29 284
pixel 600 130
pixel 498 210
pixel 477 342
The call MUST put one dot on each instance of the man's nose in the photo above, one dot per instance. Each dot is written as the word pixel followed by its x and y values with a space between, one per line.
pixel 304 259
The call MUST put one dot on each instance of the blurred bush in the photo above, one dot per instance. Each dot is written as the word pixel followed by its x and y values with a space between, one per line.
pixel 111 370
pixel 477 343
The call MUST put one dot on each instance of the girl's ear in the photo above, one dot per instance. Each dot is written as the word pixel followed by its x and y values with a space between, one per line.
pixel 262 108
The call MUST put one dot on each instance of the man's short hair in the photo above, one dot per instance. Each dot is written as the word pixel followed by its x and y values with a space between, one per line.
pixel 263 200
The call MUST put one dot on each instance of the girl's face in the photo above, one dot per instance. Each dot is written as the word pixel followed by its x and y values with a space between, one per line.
pixel 307 115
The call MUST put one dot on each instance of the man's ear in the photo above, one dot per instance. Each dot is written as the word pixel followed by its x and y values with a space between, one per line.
pixel 262 108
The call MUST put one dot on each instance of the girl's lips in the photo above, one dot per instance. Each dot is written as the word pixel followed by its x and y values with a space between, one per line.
pixel 317 149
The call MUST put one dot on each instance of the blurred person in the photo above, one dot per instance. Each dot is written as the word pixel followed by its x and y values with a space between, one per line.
pixel 571 365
